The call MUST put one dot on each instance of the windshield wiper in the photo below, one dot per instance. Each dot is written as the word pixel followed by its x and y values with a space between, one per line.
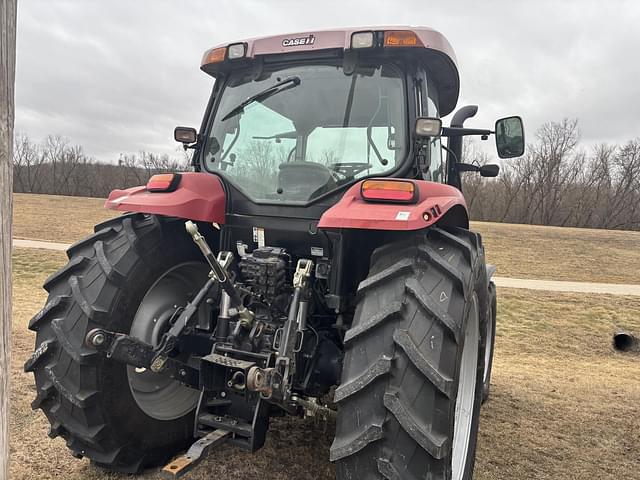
pixel 281 86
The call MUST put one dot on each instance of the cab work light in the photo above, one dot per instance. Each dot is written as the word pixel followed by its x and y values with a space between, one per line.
pixel 393 191
pixel 428 127
pixel 163 182
pixel 237 50
pixel 362 40
pixel 401 38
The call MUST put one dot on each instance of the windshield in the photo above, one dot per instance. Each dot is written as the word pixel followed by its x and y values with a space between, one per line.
pixel 299 132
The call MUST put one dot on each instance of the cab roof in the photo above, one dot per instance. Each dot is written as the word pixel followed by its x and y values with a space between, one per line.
pixel 428 46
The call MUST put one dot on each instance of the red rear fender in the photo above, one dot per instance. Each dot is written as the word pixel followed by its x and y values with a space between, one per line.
pixel 199 196
pixel 434 201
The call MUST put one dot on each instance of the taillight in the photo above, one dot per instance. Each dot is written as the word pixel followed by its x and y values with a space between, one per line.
pixel 393 191
pixel 163 182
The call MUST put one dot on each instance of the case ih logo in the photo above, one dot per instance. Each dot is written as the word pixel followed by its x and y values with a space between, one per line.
pixel 294 42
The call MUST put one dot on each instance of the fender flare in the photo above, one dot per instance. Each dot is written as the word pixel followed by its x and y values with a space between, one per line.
pixel 437 203
pixel 198 196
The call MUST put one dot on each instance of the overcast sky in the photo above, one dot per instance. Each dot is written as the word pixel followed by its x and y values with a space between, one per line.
pixel 117 76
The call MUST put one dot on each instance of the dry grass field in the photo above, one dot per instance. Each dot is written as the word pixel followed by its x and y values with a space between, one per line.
pixel 56 218
pixel 559 253
pixel 520 251
pixel 564 405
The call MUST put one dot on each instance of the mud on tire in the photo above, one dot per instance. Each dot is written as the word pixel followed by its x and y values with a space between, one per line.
pixel 86 398
pixel 397 399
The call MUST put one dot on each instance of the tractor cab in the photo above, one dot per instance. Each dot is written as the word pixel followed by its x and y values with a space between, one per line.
pixel 296 119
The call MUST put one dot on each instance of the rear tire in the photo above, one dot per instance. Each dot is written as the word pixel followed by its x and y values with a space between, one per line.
pixel 88 399
pixel 403 410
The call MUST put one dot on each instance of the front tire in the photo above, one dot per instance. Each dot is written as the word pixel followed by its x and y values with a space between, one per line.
pixel 104 409
pixel 409 401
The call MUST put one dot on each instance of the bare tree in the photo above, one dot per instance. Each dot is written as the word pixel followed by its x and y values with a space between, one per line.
pixel 624 209
pixel 554 167
pixel 592 201
pixel 27 161
pixel 53 148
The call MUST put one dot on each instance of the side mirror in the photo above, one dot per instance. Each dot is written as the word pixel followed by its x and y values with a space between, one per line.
pixel 186 135
pixel 428 127
pixel 509 137
pixel 489 170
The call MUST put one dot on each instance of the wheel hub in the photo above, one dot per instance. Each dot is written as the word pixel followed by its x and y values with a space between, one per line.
pixel 158 395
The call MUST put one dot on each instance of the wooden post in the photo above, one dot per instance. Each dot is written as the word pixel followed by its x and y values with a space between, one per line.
pixel 7 78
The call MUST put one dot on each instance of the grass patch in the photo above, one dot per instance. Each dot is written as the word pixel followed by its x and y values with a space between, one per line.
pixel 559 253
pixel 568 324
pixel 57 218
pixel 563 404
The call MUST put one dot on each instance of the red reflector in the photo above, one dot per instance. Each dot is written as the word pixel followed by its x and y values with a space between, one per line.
pixel 163 182
pixel 394 191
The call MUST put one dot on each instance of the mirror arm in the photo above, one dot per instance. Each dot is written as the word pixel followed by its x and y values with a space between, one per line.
pixel 462 132
pixel 484 170
pixel 467 167
pixel 193 146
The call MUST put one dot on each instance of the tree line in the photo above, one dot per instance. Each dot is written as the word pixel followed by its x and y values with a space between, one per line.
pixel 56 166
pixel 557 181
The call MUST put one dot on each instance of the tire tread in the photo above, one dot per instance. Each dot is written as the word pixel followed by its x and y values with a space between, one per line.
pixel 390 301
pixel 69 400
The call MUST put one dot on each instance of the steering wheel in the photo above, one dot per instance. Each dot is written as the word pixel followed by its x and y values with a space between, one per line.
pixel 349 169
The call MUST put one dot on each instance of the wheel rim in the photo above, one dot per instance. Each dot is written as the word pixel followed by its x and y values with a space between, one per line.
pixel 465 402
pixel 158 395
pixel 488 349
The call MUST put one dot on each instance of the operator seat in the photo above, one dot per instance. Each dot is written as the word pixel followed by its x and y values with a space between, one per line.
pixel 304 180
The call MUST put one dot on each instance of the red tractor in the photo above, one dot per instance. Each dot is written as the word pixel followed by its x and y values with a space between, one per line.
pixel 317 260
